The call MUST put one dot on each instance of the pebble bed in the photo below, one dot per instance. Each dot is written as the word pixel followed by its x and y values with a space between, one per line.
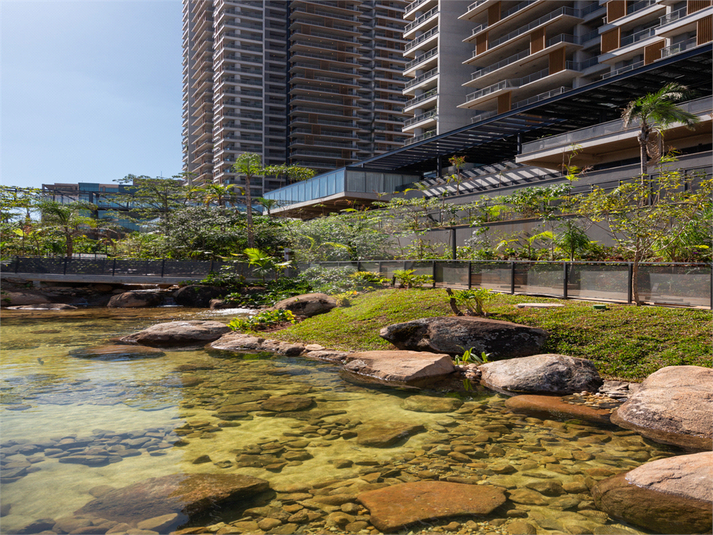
pixel 299 425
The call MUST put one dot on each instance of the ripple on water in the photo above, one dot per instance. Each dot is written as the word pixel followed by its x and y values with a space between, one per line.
pixel 87 424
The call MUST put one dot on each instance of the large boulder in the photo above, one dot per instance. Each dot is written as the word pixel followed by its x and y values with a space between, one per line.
pixel 197 296
pixel 23 297
pixel 178 333
pixel 415 369
pixel 455 334
pixel 184 495
pixel 241 343
pixel 307 305
pixel 541 374
pixel 136 299
pixel 673 406
pixel 44 306
pixel 117 352
pixel 394 507
pixel 673 495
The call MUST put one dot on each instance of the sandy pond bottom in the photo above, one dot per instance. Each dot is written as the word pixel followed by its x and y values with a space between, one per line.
pixel 129 420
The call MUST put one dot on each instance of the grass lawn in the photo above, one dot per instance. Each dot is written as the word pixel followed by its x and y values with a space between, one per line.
pixel 625 342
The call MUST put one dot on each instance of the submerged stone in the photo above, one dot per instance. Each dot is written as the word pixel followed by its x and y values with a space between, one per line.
pixel 431 404
pixel 394 507
pixel 555 407
pixel 385 434
pixel 117 352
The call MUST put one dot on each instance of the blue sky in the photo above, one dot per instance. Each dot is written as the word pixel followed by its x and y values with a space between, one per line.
pixel 90 90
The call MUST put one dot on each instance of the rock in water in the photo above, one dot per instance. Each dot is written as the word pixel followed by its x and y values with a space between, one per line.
pixel 117 352
pixel 136 299
pixel 398 368
pixel 394 507
pixel 307 305
pixel 385 434
pixel 673 406
pixel 541 374
pixel 430 404
pixel 197 295
pixel 455 334
pixel 183 495
pixel 673 495
pixel 178 333
pixel 548 407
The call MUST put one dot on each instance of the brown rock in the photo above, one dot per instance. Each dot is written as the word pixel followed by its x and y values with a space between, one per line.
pixel 178 333
pixel 541 374
pixel 673 495
pixel 136 299
pixel 385 434
pixel 401 368
pixel 548 407
pixel 396 506
pixel 673 406
pixel 287 403
pixel 184 495
pixel 197 295
pixel 452 335
pixel 307 305
pixel 430 404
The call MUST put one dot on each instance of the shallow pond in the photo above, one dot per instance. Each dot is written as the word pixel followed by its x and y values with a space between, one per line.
pixel 73 425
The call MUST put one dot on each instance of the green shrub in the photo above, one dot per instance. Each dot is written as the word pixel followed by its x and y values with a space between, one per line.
pixel 344 299
pixel 263 320
pixel 408 279
pixel 369 279
pixel 275 291
pixel 331 280
pixel 473 300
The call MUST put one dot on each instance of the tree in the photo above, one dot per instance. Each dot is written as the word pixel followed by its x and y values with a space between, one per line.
pixel 217 192
pixel 267 204
pixel 457 162
pixel 646 216
pixel 67 219
pixel 656 112
pixel 249 165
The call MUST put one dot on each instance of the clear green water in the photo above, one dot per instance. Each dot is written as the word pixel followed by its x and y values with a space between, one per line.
pixel 47 395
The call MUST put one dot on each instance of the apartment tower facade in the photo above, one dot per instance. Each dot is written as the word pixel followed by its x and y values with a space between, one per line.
pixel 311 83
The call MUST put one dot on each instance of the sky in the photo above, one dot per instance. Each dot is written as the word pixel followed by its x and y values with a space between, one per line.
pixel 90 90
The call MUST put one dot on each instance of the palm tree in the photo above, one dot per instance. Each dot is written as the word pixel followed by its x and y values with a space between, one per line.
pixel 218 192
pixel 249 164
pixel 68 219
pixel 657 112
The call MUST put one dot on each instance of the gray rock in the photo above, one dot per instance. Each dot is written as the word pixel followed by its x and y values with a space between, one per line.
pixel 44 306
pixel 117 352
pixel 673 406
pixel 673 495
pixel 541 374
pixel 385 434
pixel 455 334
pixel 178 333
pixel 399 368
pixel 136 299
pixel 307 305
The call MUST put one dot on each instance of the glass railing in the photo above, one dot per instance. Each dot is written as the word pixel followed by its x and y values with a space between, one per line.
pixel 507 61
pixel 421 78
pixel 624 69
pixel 678 48
pixel 674 16
pixel 423 18
pixel 421 58
pixel 421 118
pixel 421 38
pixel 638 36
pixel 427 95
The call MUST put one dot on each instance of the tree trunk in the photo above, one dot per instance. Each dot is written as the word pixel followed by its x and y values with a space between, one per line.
pixel 249 211
pixel 635 278
pixel 70 245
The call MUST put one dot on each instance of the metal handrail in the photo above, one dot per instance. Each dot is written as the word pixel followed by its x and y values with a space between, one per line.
pixel 423 18
pixel 421 78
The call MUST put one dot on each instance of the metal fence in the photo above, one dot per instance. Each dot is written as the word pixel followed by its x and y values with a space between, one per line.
pixel 681 284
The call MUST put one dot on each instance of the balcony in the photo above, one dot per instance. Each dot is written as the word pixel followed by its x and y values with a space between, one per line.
pixel 420 79
pixel 416 139
pixel 681 21
pixel 411 27
pixel 428 95
pixel 413 6
pixel 433 53
pixel 678 48
pixel 428 116
pixel 411 45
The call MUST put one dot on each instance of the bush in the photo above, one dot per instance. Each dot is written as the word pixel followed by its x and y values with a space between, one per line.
pixel 263 320
pixel 275 291
pixel 369 279
pixel 407 278
pixel 331 280
pixel 225 278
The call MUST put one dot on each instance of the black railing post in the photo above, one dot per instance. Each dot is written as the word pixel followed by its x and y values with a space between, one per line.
pixel 629 278
pixel 433 272
pixel 565 279
pixel 210 268
pixel 512 278
pixel 17 264
pixel 454 247
pixel 66 260
pixel 163 266
pixel 470 275
pixel 113 269
pixel 358 265
pixel 146 269
pixel 380 268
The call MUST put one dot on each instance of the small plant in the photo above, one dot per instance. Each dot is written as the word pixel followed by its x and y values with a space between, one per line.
pixel 408 279
pixel 468 357
pixel 369 279
pixel 344 299
pixel 263 320
pixel 473 300
pixel 225 278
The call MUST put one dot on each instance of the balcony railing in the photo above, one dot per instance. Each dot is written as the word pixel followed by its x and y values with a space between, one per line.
pixel 416 139
pixel 488 90
pixel 678 48
pixel 421 118
pixel 421 78
pixel 421 58
pixel 541 96
pixel 421 38
pixel 482 116
pixel 674 16
pixel 638 6
pixel 626 68
pixel 534 24
pixel 638 36
pixel 414 5
pixel 475 4
pixel 507 61
pixel 428 94
pixel 423 18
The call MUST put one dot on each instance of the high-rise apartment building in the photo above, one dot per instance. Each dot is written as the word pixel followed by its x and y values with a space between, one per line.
pixel 516 53
pixel 311 83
